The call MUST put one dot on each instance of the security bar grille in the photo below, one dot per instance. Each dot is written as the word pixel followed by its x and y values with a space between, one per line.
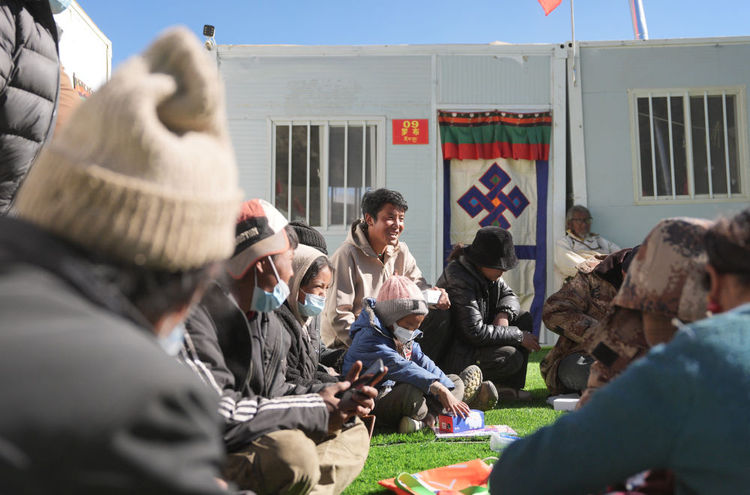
pixel 688 144
pixel 322 169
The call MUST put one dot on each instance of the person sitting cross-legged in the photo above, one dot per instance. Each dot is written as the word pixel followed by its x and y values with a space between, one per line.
pixel 573 313
pixel 281 438
pixel 414 390
pixel 485 324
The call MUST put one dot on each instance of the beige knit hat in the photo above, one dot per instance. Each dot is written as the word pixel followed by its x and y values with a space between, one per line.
pixel 144 172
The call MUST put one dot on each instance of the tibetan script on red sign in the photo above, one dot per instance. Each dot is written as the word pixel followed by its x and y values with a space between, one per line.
pixel 411 131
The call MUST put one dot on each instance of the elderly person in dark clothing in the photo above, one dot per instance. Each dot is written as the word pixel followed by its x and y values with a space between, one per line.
pixel 572 311
pixel 487 326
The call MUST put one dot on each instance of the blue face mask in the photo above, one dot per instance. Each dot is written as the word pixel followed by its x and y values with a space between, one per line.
pixel 265 302
pixel 58 6
pixel 172 343
pixel 312 306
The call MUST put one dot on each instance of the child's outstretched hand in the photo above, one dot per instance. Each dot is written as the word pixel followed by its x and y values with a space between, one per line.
pixel 448 401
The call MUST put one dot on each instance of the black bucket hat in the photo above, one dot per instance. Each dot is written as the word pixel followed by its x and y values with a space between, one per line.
pixel 492 248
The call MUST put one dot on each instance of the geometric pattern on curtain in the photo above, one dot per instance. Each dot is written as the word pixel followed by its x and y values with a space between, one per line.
pixel 496 172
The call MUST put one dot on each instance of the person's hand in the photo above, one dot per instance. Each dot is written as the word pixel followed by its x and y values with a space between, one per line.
pixel 362 400
pixel 444 302
pixel 502 319
pixel 530 342
pixel 358 402
pixel 336 415
pixel 448 401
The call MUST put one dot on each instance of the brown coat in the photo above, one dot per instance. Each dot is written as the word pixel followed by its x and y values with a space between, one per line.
pixel 571 313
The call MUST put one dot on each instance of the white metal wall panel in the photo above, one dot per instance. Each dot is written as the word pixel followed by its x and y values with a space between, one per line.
pixel 412 172
pixel 262 86
pixel 302 86
pixel 84 49
pixel 606 75
pixel 508 79
pixel 249 141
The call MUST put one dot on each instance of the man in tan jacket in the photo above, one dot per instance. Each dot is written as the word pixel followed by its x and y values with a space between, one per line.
pixel 371 253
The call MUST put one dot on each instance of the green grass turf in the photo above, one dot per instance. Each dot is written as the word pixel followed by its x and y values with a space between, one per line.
pixel 393 453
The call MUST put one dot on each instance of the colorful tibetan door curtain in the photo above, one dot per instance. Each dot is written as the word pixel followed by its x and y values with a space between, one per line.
pixel 496 173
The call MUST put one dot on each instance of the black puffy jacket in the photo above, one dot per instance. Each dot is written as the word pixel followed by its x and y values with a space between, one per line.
pixel 29 85
pixel 474 303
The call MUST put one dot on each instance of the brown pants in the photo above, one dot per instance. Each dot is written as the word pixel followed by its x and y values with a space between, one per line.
pixel 407 400
pixel 287 461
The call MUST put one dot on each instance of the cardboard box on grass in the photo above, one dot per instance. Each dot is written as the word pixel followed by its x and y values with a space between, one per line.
pixel 456 424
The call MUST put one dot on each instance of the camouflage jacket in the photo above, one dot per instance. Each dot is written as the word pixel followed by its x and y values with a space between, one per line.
pixel 572 312
pixel 615 342
pixel 664 278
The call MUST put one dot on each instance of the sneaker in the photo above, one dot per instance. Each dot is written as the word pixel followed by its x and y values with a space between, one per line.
pixel 409 425
pixel 472 378
pixel 512 394
pixel 486 398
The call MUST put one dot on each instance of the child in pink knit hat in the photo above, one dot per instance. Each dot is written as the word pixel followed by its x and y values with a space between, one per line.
pixel 414 390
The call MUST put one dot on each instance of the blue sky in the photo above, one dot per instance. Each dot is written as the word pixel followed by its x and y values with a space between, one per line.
pixel 132 24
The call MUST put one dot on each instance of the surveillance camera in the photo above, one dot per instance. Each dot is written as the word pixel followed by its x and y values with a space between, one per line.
pixel 210 44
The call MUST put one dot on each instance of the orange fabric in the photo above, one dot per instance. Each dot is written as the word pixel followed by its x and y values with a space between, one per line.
pixel 453 477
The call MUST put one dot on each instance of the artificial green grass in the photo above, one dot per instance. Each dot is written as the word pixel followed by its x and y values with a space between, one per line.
pixel 393 453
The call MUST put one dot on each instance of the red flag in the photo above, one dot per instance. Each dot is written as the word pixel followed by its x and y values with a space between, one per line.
pixel 549 5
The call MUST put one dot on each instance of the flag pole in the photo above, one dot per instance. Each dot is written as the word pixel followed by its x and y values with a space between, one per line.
pixel 638 15
pixel 573 37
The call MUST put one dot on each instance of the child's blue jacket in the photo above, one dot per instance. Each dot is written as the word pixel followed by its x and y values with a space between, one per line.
pixel 370 341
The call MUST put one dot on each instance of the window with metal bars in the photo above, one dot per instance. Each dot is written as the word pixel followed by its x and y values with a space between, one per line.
pixel 323 167
pixel 689 144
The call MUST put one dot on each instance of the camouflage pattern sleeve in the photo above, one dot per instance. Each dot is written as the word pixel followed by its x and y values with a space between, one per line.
pixel 615 342
pixel 566 311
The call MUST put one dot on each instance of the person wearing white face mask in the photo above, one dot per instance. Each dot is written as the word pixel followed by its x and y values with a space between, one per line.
pixel 415 389
pixel 300 316
pixel 281 437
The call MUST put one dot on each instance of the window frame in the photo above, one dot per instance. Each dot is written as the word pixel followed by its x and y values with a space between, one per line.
pixel 686 92
pixel 326 122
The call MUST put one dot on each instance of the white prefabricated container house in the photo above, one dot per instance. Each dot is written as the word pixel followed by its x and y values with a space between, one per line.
pixel 665 130
pixel 85 51
pixel 632 131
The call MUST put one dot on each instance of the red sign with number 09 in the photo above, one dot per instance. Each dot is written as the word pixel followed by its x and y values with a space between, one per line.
pixel 411 131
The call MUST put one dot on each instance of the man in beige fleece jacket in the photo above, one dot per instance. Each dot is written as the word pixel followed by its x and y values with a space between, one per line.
pixel 371 253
